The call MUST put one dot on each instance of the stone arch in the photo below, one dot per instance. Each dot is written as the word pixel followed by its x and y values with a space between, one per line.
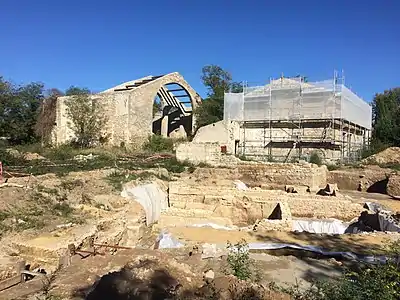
pixel 176 116
pixel 142 93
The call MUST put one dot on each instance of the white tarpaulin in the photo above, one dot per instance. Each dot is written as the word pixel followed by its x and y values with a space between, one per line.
pixel 215 226
pixel 167 241
pixel 151 197
pixel 240 185
pixel 329 226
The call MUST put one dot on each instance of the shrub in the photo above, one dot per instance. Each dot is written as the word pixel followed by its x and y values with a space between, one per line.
pixel 315 159
pixel 239 260
pixel 87 119
pixel 158 143
pixel 333 167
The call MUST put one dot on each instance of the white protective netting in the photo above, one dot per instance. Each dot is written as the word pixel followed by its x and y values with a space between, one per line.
pixel 286 100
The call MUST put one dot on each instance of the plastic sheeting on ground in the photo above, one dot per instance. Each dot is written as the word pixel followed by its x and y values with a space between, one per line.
pixel 166 241
pixel 215 226
pixel 345 255
pixel 151 197
pixel 241 186
pixel 329 226
pixel 388 223
pixel 375 207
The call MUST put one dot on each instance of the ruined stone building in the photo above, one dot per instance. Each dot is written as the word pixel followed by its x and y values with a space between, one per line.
pixel 129 108
pixel 287 119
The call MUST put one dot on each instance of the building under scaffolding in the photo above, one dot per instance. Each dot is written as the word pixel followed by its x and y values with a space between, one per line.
pixel 290 118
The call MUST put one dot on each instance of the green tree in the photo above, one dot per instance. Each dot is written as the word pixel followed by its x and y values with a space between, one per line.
pixel 18 110
pixel 386 118
pixel 74 90
pixel 87 119
pixel 217 81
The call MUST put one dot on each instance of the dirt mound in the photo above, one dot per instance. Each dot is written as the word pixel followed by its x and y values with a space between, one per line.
pixel 150 278
pixel 388 156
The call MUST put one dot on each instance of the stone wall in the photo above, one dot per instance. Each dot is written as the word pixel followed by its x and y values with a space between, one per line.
pixel 252 141
pixel 285 174
pixel 130 112
pixel 201 200
pixel 220 204
pixel 222 132
pixel 206 153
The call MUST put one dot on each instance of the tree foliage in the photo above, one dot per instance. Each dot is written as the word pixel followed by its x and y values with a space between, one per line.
pixel 47 116
pixel 386 118
pixel 74 90
pixel 18 110
pixel 217 81
pixel 87 118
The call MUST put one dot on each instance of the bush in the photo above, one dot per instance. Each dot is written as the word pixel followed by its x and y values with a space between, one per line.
pixel 87 119
pixel 158 143
pixel 315 159
pixel 333 167
pixel 239 260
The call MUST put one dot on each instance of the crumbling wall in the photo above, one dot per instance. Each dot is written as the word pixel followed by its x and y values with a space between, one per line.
pixel 206 153
pixel 130 112
pixel 323 207
pixel 204 200
pixel 223 132
pixel 286 174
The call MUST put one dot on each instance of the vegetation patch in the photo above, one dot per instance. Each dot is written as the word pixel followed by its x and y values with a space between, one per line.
pixel 371 281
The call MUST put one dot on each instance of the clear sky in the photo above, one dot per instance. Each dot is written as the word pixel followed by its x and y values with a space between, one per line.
pixel 98 44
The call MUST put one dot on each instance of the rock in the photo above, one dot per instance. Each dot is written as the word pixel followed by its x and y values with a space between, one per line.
pixel 393 186
pixel 33 156
pixel 208 276
pixel 14 153
pixel 297 189
pixel 211 251
pixel 81 157
pixel 159 172
pixel 178 133
pixel 329 190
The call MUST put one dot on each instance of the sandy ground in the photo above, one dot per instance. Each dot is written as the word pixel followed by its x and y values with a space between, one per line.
pixel 362 197
pixel 81 275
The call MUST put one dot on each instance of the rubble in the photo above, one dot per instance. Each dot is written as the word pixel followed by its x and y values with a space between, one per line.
pixel 297 189
pixel 209 276
pixel 329 190
pixel 33 156
pixel 81 157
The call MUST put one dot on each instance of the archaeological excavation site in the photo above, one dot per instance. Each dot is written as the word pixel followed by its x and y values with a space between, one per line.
pixel 229 210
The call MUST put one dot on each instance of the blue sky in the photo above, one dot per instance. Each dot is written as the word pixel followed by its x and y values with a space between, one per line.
pixel 98 44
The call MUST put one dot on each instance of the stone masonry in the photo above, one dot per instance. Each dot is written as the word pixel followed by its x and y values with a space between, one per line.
pixel 130 111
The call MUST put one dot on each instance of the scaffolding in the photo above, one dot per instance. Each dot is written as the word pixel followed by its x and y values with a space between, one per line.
pixel 293 114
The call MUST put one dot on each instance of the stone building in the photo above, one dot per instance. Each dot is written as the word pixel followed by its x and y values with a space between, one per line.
pixel 129 108
pixel 286 120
